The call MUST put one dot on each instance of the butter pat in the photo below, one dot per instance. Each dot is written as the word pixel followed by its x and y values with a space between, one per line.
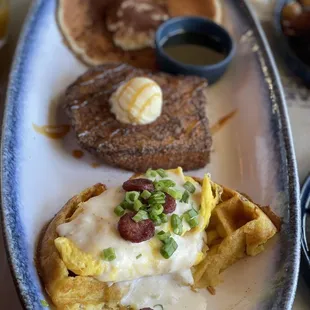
pixel 138 101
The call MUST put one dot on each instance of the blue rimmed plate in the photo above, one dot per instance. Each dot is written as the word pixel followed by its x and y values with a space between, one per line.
pixel 252 153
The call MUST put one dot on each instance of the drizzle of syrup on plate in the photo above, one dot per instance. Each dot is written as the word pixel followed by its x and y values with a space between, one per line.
pixel 77 154
pixel 222 121
pixel 52 131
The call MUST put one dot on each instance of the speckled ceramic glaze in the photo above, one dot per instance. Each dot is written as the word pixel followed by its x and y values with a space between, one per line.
pixel 252 153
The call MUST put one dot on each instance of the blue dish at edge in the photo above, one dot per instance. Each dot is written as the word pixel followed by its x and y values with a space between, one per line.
pixel 294 63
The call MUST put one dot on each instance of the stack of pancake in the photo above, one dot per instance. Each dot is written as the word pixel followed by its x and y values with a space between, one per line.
pixel 108 31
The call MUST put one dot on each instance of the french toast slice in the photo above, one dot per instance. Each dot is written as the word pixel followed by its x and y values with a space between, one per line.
pixel 180 136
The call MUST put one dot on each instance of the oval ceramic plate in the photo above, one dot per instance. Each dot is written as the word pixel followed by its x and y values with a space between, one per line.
pixel 252 153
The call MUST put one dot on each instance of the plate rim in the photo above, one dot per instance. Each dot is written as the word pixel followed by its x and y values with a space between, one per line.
pixel 8 137
pixel 9 168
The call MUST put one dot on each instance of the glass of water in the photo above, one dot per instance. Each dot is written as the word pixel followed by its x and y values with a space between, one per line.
pixel 4 21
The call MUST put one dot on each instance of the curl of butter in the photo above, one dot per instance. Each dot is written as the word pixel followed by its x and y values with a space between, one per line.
pixel 138 101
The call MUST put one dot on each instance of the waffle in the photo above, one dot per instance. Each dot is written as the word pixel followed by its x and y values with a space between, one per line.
pixel 238 227
pixel 65 290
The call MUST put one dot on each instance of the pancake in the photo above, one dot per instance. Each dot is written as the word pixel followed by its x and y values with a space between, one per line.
pixel 134 23
pixel 205 8
pixel 83 26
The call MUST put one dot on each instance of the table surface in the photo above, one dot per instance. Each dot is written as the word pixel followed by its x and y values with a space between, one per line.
pixel 298 100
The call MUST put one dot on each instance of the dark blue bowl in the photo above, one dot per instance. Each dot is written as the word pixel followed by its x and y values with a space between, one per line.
pixel 293 62
pixel 193 25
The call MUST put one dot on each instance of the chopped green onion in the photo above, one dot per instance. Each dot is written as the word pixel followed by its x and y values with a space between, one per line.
pixel 146 194
pixel 185 196
pixel 157 209
pixel 163 217
pixel 150 173
pixel 108 254
pixel 161 184
pixel 158 186
pixel 189 187
pixel 126 205
pixel 137 205
pixel 138 256
pixel 162 173
pixel 158 195
pixel 193 222
pixel 44 303
pixel 192 213
pixel 155 218
pixel 140 216
pixel 163 236
pixel 191 217
pixel 173 193
pixel 157 221
pixel 131 197
pixel 157 198
pixel 168 248
pixel 159 306
pixel 119 211
pixel 176 223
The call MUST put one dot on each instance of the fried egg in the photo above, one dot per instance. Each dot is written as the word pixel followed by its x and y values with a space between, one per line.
pixel 94 229
pixel 91 243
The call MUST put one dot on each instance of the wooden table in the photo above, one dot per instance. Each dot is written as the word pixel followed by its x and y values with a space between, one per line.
pixel 299 110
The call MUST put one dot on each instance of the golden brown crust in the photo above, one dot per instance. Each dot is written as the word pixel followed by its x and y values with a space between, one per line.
pixel 180 136
pixel 238 227
pixel 66 290
pixel 276 220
